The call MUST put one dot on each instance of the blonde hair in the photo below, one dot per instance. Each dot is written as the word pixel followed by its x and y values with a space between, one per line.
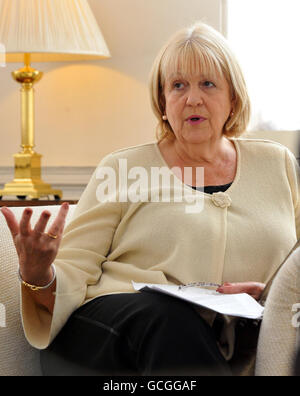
pixel 199 49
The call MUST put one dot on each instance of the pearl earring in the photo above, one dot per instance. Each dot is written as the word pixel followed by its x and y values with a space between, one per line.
pixel 164 117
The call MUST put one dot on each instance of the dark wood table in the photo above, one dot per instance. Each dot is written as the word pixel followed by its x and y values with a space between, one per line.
pixel 35 202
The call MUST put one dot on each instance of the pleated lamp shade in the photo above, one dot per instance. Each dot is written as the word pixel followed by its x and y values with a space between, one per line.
pixel 50 30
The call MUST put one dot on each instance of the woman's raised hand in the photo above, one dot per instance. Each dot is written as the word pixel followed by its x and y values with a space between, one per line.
pixel 36 249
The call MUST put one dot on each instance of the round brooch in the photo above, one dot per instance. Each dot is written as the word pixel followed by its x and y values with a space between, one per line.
pixel 221 199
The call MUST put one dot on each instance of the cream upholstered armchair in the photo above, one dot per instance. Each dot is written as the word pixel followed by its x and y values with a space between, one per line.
pixel 279 333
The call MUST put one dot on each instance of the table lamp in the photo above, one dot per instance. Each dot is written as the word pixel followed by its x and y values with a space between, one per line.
pixel 43 31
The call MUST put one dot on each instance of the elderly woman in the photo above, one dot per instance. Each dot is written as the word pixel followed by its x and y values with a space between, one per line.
pixel 85 309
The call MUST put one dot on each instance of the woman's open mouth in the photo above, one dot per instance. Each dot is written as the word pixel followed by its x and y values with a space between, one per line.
pixel 195 119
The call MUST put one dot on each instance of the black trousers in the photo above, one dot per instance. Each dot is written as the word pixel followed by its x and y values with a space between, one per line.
pixel 135 334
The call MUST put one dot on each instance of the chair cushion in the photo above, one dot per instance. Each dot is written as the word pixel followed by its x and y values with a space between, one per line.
pixel 17 356
pixel 278 334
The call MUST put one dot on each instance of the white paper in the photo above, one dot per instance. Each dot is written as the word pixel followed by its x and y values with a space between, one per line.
pixel 241 305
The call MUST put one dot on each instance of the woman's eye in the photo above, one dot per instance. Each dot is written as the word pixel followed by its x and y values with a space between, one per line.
pixel 208 84
pixel 178 85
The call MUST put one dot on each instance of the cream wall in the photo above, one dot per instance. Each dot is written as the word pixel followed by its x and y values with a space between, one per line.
pixel 88 109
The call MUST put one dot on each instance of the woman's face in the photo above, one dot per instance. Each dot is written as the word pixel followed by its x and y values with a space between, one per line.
pixel 197 107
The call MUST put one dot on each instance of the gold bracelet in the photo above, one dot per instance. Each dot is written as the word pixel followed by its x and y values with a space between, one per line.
pixel 34 287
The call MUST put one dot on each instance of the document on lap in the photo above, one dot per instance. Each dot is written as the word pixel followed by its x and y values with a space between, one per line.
pixel 241 305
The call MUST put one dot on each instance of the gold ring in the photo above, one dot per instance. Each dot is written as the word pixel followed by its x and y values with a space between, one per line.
pixel 51 235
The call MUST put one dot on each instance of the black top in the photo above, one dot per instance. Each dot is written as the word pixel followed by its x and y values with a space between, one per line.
pixel 213 189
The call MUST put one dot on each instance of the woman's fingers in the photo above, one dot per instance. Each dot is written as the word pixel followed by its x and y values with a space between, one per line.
pixel 41 224
pixel 58 225
pixel 253 288
pixel 11 221
pixel 25 227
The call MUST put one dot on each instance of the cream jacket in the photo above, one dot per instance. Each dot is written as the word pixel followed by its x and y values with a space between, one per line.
pixel 241 235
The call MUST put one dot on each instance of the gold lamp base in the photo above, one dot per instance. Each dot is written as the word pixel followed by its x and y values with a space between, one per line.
pixel 27 181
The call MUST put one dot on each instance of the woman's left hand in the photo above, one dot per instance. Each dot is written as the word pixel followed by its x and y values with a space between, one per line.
pixel 255 289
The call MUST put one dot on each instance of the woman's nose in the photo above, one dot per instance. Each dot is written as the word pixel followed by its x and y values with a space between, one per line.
pixel 194 97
